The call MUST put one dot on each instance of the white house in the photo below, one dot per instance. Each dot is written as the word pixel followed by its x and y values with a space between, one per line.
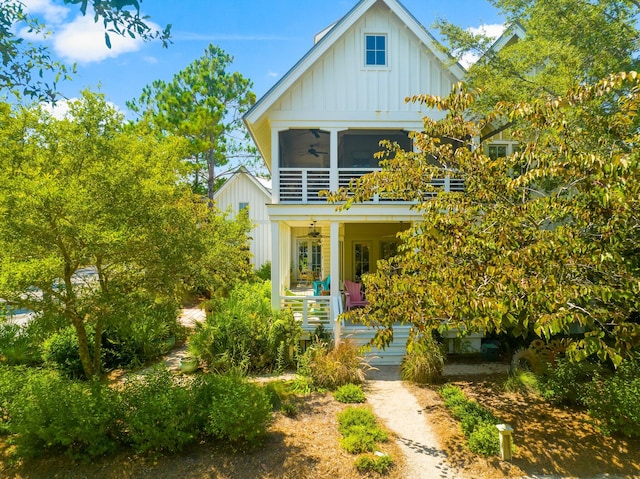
pixel 319 127
pixel 244 190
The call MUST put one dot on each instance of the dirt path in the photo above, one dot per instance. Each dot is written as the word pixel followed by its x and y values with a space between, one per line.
pixel 393 403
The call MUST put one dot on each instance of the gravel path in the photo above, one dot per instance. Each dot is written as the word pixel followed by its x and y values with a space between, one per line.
pixel 403 415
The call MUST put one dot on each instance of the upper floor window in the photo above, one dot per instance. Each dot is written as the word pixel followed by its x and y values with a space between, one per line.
pixel 497 151
pixel 242 205
pixel 375 50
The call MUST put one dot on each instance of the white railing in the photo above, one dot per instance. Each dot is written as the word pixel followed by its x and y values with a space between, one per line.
pixel 310 310
pixel 303 185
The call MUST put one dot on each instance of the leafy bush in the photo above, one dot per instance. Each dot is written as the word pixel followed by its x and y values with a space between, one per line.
pixel 60 351
pixel 478 424
pixel 331 368
pixel 11 381
pixel 614 400
pixel 53 413
pixel 521 381
pixel 424 361
pixel 566 382
pixel 244 327
pixel 350 393
pixel 264 272
pixel 360 430
pixel 238 411
pixel 18 345
pixel 485 439
pixel 380 464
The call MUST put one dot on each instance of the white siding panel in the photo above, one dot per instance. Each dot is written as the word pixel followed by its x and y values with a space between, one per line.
pixel 244 190
pixel 339 81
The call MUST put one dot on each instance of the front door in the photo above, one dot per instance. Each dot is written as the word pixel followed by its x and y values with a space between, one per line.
pixel 309 259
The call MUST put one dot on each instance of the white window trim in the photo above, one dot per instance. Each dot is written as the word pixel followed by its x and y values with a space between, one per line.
pixel 365 66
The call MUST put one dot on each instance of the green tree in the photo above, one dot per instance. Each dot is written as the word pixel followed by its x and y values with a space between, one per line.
pixel 203 103
pixel 539 241
pixel 89 192
pixel 24 64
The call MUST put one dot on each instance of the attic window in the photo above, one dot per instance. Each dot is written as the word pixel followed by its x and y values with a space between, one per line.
pixel 375 50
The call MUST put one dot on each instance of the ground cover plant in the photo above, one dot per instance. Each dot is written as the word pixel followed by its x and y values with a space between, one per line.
pixel 350 393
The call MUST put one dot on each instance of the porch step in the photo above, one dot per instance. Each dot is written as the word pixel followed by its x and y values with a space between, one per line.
pixel 392 355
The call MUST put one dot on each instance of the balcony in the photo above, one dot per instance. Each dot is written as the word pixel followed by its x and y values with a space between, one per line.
pixel 303 185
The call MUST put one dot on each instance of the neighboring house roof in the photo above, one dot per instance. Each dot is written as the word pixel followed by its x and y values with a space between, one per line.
pixel 262 184
pixel 324 41
pixel 512 33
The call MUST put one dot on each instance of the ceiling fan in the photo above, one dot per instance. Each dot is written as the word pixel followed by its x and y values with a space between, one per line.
pixel 312 151
pixel 314 232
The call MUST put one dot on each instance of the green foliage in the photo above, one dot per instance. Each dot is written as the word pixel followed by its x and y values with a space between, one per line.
pixel 51 413
pixel 478 424
pixel 19 344
pixel 238 411
pixel 613 399
pixel 360 430
pixel 485 439
pixel 424 361
pixel 264 271
pixel 539 251
pixel 521 381
pixel 565 383
pixel 350 393
pixel 158 414
pixel 243 327
pixel 331 368
pixel 380 464
pixel 60 351
pixel 203 103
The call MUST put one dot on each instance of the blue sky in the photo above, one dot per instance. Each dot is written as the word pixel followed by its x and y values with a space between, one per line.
pixel 265 37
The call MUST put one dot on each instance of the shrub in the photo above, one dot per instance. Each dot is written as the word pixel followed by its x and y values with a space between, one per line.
pixel 349 393
pixel 264 272
pixel 566 382
pixel 478 424
pixel 424 361
pixel 53 413
pixel 238 411
pixel 485 439
pixel 60 351
pixel 380 464
pixel 360 430
pixel 244 327
pixel 614 400
pixel 331 368
pixel 18 345
pixel 159 414
pixel 521 381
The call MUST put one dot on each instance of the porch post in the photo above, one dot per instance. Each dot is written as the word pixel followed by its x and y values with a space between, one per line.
pixel 334 248
pixel 276 277
pixel 275 168
pixel 333 160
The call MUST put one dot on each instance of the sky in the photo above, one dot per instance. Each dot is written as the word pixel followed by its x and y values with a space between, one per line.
pixel 265 37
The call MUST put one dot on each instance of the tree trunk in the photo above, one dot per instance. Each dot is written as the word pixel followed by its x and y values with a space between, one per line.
pixel 211 181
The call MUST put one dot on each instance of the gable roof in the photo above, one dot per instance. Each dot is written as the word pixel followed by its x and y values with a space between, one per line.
pixel 262 184
pixel 327 38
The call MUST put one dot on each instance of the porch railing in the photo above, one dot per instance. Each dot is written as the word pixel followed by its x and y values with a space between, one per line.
pixel 310 310
pixel 303 185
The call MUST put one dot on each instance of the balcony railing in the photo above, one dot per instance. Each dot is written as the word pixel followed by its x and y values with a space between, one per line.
pixel 311 311
pixel 303 185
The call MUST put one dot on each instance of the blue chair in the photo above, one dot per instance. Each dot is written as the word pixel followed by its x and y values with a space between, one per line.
pixel 320 286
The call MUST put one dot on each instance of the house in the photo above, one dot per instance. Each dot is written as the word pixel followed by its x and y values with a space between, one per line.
pixel 319 127
pixel 244 190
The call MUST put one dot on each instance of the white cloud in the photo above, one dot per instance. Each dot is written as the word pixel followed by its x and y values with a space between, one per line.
pixel 79 39
pixel 490 30
pixel 51 13
pixel 272 74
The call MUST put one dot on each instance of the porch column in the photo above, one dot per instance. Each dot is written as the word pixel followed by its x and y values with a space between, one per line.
pixel 275 265
pixel 275 168
pixel 334 248
pixel 333 160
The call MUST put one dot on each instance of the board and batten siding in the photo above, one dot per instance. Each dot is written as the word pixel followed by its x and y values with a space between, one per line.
pixel 242 189
pixel 340 82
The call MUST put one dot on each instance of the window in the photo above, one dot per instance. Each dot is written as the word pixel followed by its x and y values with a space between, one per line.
pixel 242 206
pixel 375 50
pixel 497 151
pixel 361 259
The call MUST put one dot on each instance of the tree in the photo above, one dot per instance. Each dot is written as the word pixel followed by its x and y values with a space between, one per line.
pixel 24 64
pixel 89 192
pixel 203 103
pixel 567 42
pixel 539 241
